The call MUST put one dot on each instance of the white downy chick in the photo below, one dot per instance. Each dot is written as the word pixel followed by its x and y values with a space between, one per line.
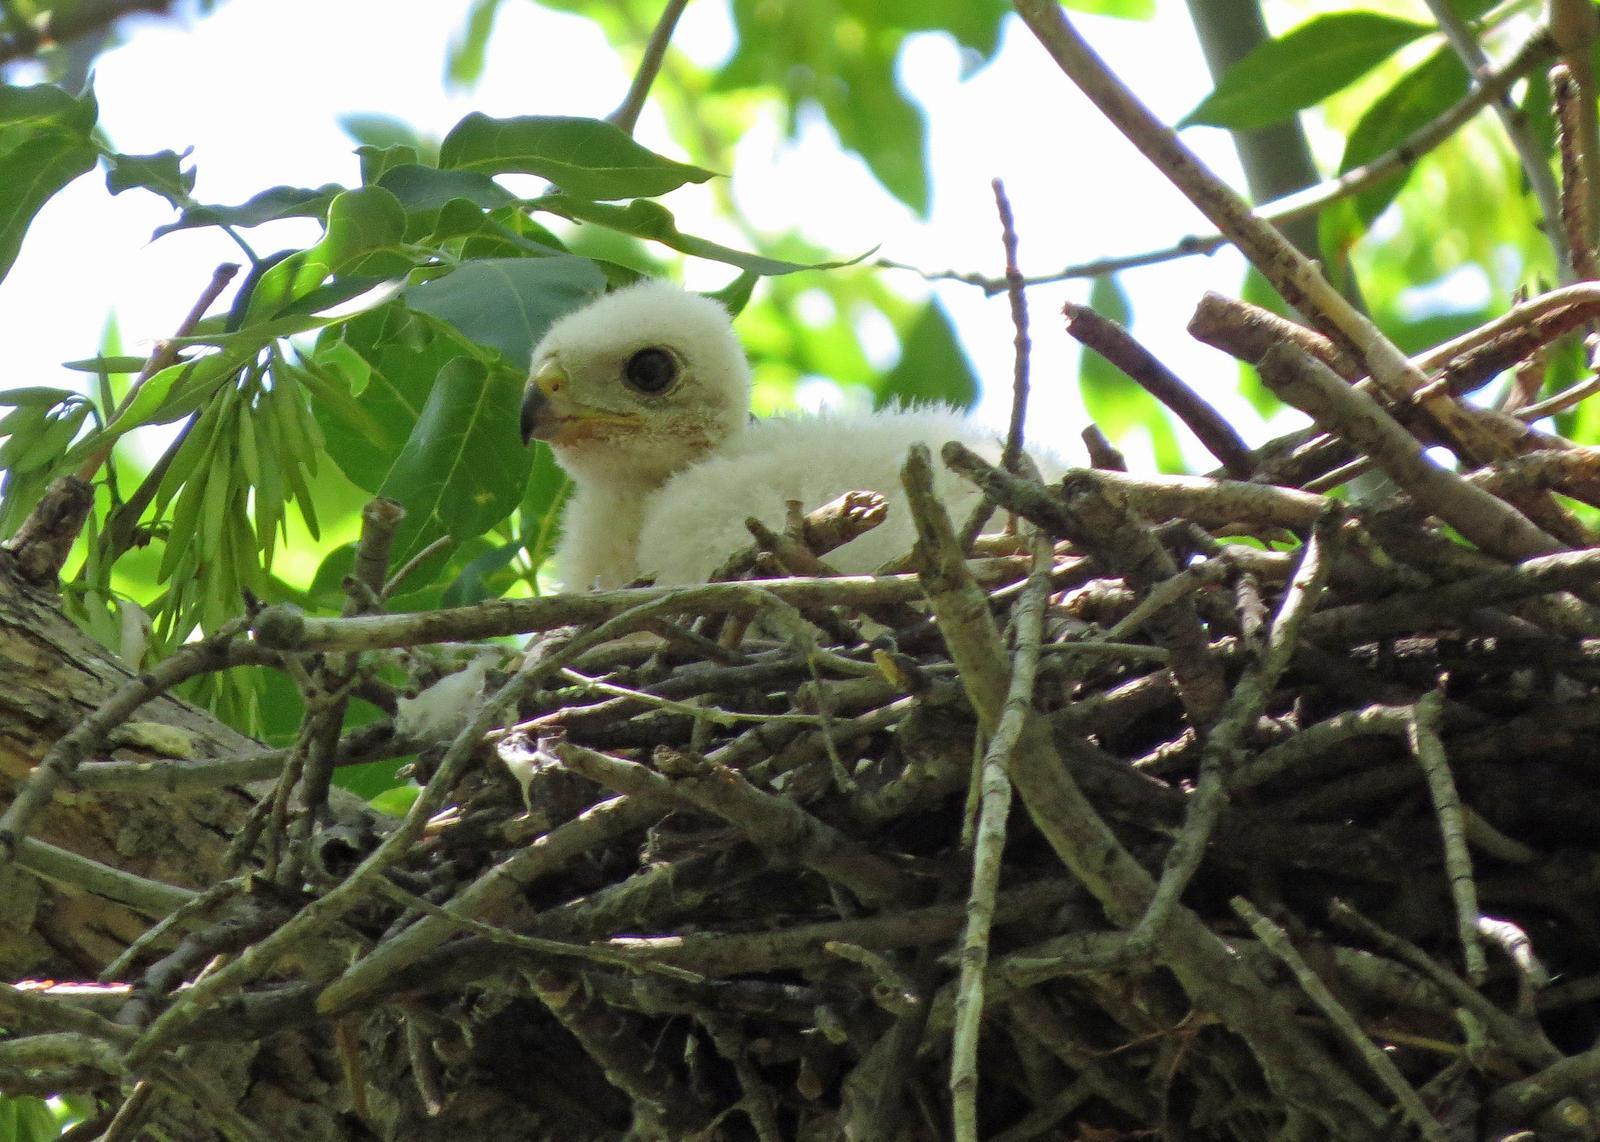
pixel 443 709
pixel 645 396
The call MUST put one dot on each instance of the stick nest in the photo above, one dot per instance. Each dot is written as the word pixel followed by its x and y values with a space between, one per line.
pixel 1207 803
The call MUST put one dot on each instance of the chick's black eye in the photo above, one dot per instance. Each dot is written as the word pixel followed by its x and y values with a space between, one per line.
pixel 651 370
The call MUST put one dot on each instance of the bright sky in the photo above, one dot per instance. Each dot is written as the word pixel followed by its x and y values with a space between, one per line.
pixel 220 84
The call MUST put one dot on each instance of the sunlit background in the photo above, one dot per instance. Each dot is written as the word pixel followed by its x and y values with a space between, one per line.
pixel 216 82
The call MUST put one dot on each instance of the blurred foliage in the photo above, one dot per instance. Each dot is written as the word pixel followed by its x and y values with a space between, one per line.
pixel 387 356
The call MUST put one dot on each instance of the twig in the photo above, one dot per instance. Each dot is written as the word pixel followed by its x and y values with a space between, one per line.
pixel 322 913
pixel 1535 163
pixel 495 889
pixel 1102 453
pixel 1575 164
pixel 626 116
pixel 663 1105
pixel 989 845
pixel 1304 203
pixel 1418 610
pixel 409 567
pixel 1116 345
pixel 149 896
pixel 375 741
pixel 771 822
pixel 1019 321
pixel 802 945
pixel 1423 738
pixel 1560 402
pixel 1247 331
pixel 1276 940
pixel 1087 509
pixel 328 694
pixel 287 628
pixel 1295 1066
pixel 1574 26
pixel 1312 387
pixel 1318 742
pixel 166 352
pixel 1532 976
pixel 1526 1042
pixel 1225 741
pixel 1297 280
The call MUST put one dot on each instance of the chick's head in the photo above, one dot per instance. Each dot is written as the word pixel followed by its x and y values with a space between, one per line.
pixel 641 382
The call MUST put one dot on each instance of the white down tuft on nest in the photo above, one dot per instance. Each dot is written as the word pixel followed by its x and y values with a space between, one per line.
pixel 644 394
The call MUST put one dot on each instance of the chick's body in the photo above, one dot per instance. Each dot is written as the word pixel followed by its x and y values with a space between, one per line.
pixel 697 518
pixel 645 394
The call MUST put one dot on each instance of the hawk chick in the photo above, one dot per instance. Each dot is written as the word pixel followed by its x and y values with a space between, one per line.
pixel 644 394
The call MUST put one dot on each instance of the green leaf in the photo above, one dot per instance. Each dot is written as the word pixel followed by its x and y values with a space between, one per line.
pixel 361 223
pixel 483 237
pixel 844 63
pixel 586 157
pixel 161 173
pixel 975 24
pixel 736 294
pixel 539 514
pixel 876 120
pixel 105 365
pixel 932 367
pixel 41 394
pixel 486 577
pixel 1305 66
pixel 464 66
pixel 396 802
pixel 419 188
pixel 645 219
pixel 379 161
pixel 1122 9
pixel 24 1118
pixel 47 108
pixel 44 447
pixel 381 131
pixel 268 206
pixel 1416 99
pixel 369 385
pixel 506 304
pixel 166 396
pixel 30 175
pixel 463 468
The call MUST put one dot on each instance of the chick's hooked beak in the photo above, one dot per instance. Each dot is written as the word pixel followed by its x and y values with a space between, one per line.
pixel 539 416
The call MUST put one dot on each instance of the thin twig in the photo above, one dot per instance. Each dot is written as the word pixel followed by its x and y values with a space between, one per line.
pixel 1535 163
pixel 1575 26
pixel 626 116
pixel 1019 322
pixel 1276 940
pixel 1575 164
pixel 1117 345
pixel 989 845
pixel 1297 279
pixel 1224 744
pixel 1304 203
pixel 1312 387
pixel 1426 747
pixel 165 353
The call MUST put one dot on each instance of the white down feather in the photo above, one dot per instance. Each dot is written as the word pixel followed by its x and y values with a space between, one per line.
pixel 663 483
